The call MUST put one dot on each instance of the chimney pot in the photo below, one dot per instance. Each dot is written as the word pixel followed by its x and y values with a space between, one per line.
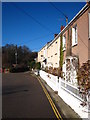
pixel 62 27
pixel 55 35
pixel 88 2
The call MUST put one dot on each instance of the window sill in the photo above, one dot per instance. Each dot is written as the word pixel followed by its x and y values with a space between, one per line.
pixel 74 45
pixel 64 49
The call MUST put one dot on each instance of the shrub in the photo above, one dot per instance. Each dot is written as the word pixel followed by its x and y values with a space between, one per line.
pixel 19 68
pixel 54 71
pixel 83 76
pixel 46 69
pixel 32 64
pixel 38 65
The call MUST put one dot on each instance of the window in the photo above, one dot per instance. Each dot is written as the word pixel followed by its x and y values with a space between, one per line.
pixel 89 24
pixel 41 55
pixel 64 42
pixel 74 35
pixel 56 42
pixel 55 53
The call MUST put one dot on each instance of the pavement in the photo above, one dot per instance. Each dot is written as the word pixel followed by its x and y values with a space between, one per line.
pixel 66 111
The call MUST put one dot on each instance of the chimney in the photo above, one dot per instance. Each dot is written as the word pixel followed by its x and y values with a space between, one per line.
pixel 62 27
pixel 55 35
pixel 88 2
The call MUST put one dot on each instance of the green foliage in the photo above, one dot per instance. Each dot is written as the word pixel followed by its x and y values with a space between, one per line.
pixel 32 64
pixel 19 68
pixel 35 65
pixel 38 65
pixel 24 55
pixel 61 53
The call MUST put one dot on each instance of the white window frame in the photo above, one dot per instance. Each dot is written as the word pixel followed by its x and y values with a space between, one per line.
pixel 74 36
pixel 64 42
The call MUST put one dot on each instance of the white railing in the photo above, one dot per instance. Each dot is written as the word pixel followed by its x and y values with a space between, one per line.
pixel 69 93
pixel 58 84
pixel 73 90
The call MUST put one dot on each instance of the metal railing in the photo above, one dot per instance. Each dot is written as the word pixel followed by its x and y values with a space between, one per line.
pixel 71 89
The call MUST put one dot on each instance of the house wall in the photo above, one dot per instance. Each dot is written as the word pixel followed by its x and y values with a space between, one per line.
pixel 89 35
pixel 81 49
pixel 40 53
pixel 53 53
pixel 64 52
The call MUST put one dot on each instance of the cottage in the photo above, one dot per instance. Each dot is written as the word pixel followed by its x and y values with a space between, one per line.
pixel 75 39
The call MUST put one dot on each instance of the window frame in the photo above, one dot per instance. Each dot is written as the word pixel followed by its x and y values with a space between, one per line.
pixel 75 37
pixel 64 44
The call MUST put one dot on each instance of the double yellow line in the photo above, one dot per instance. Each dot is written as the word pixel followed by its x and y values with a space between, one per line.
pixel 50 101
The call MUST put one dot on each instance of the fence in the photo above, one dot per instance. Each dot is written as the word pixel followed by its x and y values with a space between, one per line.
pixel 58 83
pixel 69 93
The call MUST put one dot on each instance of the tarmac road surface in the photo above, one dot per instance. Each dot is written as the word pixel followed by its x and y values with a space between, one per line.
pixel 23 97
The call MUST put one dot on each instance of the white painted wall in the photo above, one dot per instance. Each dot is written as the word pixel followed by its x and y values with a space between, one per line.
pixel 68 98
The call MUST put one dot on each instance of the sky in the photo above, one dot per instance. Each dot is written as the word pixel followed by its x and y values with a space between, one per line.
pixel 34 23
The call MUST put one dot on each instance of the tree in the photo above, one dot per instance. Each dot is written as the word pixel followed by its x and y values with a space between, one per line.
pixel 24 55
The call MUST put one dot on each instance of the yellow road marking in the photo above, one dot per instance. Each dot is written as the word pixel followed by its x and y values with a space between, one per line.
pixel 51 102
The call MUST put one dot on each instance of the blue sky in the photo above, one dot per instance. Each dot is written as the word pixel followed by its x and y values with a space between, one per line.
pixel 33 23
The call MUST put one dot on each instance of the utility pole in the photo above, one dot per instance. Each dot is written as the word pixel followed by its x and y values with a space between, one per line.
pixel 16 55
pixel 66 20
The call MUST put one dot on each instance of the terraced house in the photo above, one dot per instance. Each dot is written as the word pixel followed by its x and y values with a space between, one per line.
pixel 76 37
pixel 42 56
pixel 53 52
pixel 75 41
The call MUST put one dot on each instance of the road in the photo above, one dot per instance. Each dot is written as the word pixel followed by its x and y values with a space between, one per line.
pixel 23 97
